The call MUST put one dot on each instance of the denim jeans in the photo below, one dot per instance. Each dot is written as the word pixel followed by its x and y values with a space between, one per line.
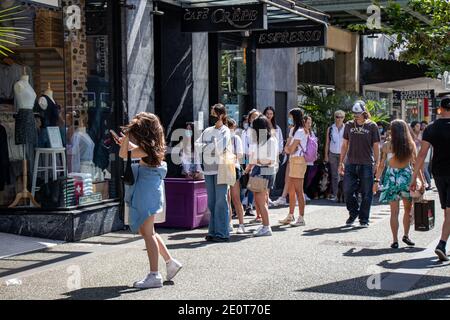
pixel 218 206
pixel 358 179
pixel 334 171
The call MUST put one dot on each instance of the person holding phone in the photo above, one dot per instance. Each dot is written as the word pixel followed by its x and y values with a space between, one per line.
pixel 144 137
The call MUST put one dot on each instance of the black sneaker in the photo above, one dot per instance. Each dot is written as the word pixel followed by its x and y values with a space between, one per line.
pixel 350 221
pixel 394 245
pixel 363 225
pixel 408 241
pixel 209 238
pixel 440 251
pixel 249 212
pixel 220 239
pixel 234 216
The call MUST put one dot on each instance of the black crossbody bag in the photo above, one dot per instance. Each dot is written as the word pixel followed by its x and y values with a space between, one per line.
pixel 128 176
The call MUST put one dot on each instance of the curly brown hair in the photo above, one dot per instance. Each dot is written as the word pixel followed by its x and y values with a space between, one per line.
pixel 147 132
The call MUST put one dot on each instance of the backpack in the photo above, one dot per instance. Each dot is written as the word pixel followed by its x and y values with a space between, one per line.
pixel 312 147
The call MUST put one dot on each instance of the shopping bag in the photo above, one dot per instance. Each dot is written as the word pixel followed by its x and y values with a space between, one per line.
pixel 424 215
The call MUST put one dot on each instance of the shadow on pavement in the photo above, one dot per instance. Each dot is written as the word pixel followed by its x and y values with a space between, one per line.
pixel 379 252
pixel 335 230
pixel 64 256
pixel 359 286
pixel 422 263
pixel 100 293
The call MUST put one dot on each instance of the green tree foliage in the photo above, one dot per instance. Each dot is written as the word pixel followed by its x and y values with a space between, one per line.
pixel 423 41
pixel 321 108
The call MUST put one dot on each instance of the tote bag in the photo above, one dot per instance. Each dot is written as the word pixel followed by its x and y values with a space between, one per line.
pixel 227 169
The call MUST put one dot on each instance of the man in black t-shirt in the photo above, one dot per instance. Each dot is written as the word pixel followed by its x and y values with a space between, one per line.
pixel 438 136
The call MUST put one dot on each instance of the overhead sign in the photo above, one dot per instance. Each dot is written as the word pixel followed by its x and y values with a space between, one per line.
pixel 304 36
pixel 414 94
pixel 224 18
pixel 50 3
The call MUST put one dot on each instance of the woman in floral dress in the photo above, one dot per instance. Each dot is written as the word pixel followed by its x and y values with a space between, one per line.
pixel 395 186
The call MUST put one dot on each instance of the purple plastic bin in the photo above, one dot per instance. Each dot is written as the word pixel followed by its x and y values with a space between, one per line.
pixel 186 204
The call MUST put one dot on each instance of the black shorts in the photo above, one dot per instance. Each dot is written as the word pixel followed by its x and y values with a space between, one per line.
pixel 443 186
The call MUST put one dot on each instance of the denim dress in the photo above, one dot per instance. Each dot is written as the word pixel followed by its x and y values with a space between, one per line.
pixel 146 196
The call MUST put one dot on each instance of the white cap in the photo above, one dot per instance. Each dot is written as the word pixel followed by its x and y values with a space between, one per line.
pixel 359 107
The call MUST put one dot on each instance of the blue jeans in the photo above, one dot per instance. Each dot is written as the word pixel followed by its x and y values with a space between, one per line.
pixel 358 179
pixel 218 206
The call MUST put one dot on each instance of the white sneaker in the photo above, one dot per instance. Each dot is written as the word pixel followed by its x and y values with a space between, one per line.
pixel 150 281
pixel 230 228
pixel 280 202
pixel 307 198
pixel 172 267
pixel 241 229
pixel 299 223
pixel 263 232
pixel 332 198
pixel 271 203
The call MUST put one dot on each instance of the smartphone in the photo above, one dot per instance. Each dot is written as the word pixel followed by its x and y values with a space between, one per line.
pixel 114 134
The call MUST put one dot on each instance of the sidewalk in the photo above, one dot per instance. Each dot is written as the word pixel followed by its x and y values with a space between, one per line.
pixel 12 245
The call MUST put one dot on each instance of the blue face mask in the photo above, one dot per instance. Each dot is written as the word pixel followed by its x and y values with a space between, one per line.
pixel 290 122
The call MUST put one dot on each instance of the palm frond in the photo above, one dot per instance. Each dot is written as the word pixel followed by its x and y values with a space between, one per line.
pixel 7 33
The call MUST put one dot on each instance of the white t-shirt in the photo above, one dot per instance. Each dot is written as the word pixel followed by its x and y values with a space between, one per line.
pixel 265 153
pixel 279 136
pixel 302 137
pixel 237 148
pixel 212 143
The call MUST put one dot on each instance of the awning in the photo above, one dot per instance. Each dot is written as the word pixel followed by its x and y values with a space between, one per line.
pixel 278 11
pixel 408 85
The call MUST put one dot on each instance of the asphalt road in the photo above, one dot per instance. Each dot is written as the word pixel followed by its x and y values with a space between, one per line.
pixel 323 260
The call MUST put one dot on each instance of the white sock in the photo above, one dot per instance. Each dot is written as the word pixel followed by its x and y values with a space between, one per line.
pixel 156 273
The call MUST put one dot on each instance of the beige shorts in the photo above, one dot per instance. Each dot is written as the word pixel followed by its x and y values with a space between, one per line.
pixel 297 167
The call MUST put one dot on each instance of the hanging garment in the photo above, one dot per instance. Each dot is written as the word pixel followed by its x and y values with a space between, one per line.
pixel 81 150
pixel 4 159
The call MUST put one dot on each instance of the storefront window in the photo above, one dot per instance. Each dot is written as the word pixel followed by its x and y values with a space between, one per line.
pixel 233 79
pixel 56 105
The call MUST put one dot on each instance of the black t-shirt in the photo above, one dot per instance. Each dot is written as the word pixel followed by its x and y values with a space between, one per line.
pixel 360 142
pixel 438 135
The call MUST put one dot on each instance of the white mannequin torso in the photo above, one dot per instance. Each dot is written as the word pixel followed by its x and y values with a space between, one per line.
pixel 24 94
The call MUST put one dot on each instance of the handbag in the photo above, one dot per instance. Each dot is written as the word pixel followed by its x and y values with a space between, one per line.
pixel 227 169
pixel 128 176
pixel 257 184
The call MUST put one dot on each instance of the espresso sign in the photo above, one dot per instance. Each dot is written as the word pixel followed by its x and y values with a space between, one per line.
pixel 412 95
pixel 225 18
pixel 305 36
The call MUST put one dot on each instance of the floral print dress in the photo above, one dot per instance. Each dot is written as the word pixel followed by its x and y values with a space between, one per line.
pixel 396 184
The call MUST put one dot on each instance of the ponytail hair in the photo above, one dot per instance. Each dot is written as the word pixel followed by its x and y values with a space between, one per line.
pixel 220 110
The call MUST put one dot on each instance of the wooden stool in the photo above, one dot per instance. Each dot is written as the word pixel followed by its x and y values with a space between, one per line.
pixel 48 153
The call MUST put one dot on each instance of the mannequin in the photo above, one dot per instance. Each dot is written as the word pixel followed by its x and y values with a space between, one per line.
pixel 25 131
pixel 82 150
pixel 48 109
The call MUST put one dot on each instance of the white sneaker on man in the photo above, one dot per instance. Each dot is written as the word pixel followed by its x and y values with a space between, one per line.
pixel 280 202
pixel 263 231
pixel 172 267
pixel 299 223
pixel 307 198
pixel 241 229
pixel 271 203
pixel 152 280
pixel 230 228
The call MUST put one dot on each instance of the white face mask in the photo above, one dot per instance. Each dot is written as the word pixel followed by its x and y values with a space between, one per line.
pixel 246 126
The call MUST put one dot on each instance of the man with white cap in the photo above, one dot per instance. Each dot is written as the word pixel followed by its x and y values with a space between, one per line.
pixel 359 157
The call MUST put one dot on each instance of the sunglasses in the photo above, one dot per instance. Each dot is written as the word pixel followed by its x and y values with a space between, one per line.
pixel 339 117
